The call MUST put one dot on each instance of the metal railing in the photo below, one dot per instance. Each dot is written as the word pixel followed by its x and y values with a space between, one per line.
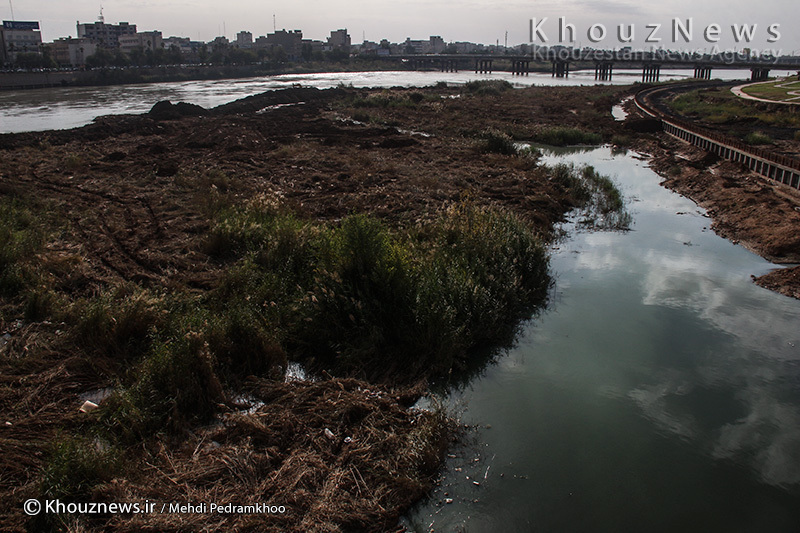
pixel 734 149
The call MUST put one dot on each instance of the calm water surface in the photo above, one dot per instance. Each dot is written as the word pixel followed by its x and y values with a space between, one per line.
pixel 61 108
pixel 660 391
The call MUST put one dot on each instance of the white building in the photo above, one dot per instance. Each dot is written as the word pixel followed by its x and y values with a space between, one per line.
pixel 143 40
pixel 105 35
pixel 19 37
pixel 184 44
pixel 73 52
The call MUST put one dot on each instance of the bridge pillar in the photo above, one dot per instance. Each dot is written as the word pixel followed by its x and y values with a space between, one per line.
pixel 702 72
pixel 603 70
pixel 483 66
pixel 651 72
pixel 759 73
pixel 560 69
pixel 448 65
pixel 520 66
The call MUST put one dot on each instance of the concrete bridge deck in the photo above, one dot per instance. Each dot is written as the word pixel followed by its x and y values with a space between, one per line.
pixel 604 63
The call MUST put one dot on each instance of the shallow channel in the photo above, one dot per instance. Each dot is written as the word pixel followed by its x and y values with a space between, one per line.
pixel 660 391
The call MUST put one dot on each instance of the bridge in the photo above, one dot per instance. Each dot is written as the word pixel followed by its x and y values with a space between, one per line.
pixel 559 62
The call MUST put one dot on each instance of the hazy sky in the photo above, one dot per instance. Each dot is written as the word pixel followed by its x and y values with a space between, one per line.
pixel 483 21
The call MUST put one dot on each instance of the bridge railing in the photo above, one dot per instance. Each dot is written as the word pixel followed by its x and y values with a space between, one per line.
pixel 641 100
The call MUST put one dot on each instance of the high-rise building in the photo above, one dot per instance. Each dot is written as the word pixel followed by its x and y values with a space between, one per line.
pixel 290 41
pixel 105 35
pixel 244 39
pixel 339 39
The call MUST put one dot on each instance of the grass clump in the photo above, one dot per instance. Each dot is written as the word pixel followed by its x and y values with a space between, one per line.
pixel 118 323
pixel 384 101
pixel 487 87
pixel 384 305
pixel 621 140
pixel 562 136
pixel 174 385
pixel 75 466
pixel 497 142
pixel 22 236
pixel 488 270
pixel 599 199
pixel 757 138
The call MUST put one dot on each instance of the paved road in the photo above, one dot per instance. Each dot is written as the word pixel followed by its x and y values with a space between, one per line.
pixel 739 91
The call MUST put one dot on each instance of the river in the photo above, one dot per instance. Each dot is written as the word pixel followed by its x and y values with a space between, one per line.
pixel 660 390
pixel 62 108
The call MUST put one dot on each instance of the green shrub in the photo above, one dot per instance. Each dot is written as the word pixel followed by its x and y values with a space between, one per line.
pixel 175 384
pixel 361 116
pixel 76 465
pixel 491 269
pixel 22 236
pixel 244 343
pixel 497 142
pixel 261 226
pixel 599 198
pixel 361 297
pixel 621 140
pixel 565 176
pixel 416 97
pixel 383 304
pixel 757 137
pixel 487 87
pixel 118 323
pixel 561 136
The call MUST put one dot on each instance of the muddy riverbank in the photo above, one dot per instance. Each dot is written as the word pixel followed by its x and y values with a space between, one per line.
pixel 137 235
pixel 151 256
pixel 744 208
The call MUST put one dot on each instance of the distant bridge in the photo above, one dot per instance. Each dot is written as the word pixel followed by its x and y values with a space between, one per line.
pixel 604 62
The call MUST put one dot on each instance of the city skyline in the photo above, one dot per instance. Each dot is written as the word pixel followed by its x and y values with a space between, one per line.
pixel 479 21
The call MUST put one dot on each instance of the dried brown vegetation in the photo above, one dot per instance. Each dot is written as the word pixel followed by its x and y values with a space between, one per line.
pixel 127 288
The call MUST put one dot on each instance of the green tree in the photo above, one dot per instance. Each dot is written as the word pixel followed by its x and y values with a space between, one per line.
pixel 101 58
pixel 338 55
pixel 174 56
pixel 29 60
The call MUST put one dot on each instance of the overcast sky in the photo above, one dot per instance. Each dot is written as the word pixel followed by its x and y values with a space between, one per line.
pixel 483 21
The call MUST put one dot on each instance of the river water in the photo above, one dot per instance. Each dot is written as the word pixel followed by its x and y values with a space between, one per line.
pixel 61 108
pixel 660 390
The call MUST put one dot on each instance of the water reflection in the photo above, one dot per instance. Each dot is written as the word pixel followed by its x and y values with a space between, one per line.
pixel 660 392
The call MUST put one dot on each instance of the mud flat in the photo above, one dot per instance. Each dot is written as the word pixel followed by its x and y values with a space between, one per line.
pixel 167 267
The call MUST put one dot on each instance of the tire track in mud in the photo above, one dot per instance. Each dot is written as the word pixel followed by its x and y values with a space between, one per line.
pixel 114 230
